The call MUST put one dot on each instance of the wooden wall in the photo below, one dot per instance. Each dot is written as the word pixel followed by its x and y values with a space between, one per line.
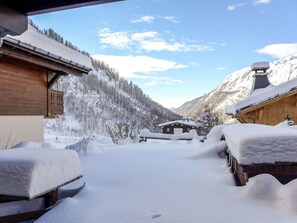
pixel 23 88
pixel 186 128
pixel 272 113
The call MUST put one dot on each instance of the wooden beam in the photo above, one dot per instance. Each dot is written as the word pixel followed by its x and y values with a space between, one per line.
pixel 55 78
pixel 11 21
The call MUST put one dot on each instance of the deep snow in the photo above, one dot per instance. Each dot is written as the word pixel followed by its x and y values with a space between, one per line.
pixel 30 172
pixel 170 182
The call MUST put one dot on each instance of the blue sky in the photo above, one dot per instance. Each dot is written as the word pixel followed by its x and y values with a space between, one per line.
pixel 178 50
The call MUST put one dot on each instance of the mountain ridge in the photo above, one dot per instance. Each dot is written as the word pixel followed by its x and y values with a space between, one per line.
pixel 236 87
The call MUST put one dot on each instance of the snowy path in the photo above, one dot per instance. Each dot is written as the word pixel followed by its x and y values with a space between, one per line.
pixel 162 183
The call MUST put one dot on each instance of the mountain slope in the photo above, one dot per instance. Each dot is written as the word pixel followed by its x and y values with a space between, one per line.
pixel 236 87
pixel 103 98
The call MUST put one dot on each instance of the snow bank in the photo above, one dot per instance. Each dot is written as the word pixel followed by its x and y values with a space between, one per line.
pixel 267 188
pixel 30 172
pixel 254 143
pixel 214 140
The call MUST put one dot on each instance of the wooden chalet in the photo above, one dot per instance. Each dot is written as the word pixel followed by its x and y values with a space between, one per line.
pixel 178 126
pixel 267 104
pixel 30 65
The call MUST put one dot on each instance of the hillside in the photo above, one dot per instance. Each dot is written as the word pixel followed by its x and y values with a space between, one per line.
pixel 102 99
pixel 236 87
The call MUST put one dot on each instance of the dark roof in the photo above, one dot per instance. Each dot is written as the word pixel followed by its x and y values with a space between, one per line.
pixel 35 7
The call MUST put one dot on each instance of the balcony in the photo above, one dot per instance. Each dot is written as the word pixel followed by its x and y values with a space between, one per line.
pixel 55 103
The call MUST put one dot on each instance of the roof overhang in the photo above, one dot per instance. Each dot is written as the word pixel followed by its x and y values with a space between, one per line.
pixel 35 7
pixel 25 52
pixel 13 13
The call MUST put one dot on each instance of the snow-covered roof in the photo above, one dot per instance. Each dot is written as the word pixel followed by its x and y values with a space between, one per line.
pixel 37 42
pixel 262 95
pixel 183 122
pixel 30 172
pixel 255 143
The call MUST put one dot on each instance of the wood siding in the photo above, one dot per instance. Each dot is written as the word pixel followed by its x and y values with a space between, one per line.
pixel 271 113
pixel 186 128
pixel 23 88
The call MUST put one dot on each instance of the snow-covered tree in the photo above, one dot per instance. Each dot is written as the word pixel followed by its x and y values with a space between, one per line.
pixel 207 121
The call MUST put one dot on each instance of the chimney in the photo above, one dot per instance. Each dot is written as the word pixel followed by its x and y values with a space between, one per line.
pixel 260 77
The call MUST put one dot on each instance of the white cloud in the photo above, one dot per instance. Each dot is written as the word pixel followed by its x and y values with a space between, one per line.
pixel 220 68
pixel 144 19
pixel 195 64
pixel 152 83
pixel 279 50
pixel 235 6
pixel 138 66
pixel 155 80
pixel 257 2
pixel 119 40
pixel 148 41
pixel 172 19
pixel 144 35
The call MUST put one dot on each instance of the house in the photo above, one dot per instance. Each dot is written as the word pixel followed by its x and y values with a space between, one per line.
pixel 30 64
pixel 178 126
pixel 267 104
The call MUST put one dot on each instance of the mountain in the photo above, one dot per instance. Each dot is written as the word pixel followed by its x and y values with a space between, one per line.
pixel 236 87
pixel 101 99
pixel 104 98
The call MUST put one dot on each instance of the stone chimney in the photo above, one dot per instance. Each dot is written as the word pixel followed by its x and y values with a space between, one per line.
pixel 260 77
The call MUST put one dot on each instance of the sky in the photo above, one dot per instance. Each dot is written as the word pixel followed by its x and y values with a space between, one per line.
pixel 176 51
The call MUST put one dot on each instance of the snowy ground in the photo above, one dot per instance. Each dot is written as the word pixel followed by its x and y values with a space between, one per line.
pixel 170 182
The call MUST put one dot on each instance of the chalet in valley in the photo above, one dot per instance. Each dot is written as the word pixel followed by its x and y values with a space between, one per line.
pixel 267 104
pixel 178 126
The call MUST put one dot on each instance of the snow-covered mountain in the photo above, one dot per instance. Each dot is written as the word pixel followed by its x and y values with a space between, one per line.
pixel 237 86
pixel 103 98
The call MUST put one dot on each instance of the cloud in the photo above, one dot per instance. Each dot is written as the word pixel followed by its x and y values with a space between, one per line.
pixel 220 68
pixel 119 40
pixel 235 6
pixel 148 41
pixel 138 66
pixel 172 19
pixel 194 64
pixel 257 2
pixel 279 50
pixel 162 81
pixel 144 19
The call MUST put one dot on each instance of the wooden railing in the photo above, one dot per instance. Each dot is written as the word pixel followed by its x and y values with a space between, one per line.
pixel 55 102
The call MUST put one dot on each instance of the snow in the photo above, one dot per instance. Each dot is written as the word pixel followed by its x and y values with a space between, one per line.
pixel 255 143
pixel 260 66
pixel 32 171
pixel 261 95
pixel 183 122
pixel 171 183
pixel 40 41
